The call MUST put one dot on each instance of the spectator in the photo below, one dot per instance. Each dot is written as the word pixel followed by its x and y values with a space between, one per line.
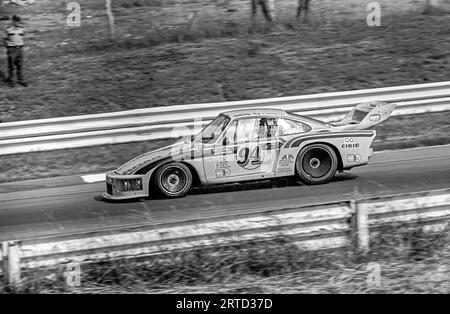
pixel 264 7
pixel 14 47
pixel 302 5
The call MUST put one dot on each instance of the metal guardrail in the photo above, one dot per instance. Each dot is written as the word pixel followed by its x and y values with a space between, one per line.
pixel 326 226
pixel 175 121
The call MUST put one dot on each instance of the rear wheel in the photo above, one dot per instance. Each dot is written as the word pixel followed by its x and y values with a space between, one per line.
pixel 173 180
pixel 316 164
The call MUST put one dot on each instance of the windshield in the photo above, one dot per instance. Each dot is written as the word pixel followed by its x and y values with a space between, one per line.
pixel 211 132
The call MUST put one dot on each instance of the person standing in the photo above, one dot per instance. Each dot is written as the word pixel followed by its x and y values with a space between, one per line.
pixel 14 49
pixel 302 5
pixel 264 7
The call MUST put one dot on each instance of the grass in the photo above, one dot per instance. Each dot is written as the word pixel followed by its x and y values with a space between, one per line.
pixel 179 52
pixel 396 133
pixel 410 131
pixel 410 260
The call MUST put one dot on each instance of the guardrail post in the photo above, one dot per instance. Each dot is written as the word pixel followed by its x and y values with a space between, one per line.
pixel 11 263
pixel 362 227
pixel 4 250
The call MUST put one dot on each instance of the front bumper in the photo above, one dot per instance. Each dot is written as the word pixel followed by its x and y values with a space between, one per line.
pixel 119 187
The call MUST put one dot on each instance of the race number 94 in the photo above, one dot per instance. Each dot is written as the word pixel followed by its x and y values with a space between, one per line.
pixel 250 158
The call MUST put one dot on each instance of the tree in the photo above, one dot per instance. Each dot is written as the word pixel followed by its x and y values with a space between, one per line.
pixel 112 30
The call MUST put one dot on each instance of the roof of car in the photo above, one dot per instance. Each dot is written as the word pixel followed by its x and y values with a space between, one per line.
pixel 255 112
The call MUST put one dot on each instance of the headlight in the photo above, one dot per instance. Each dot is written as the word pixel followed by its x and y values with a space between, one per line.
pixel 138 184
pixel 131 184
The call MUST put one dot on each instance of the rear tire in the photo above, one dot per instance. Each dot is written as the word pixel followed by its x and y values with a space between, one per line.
pixel 316 164
pixel 173 180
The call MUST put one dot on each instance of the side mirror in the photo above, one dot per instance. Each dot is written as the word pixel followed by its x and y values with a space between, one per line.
pixel 225 141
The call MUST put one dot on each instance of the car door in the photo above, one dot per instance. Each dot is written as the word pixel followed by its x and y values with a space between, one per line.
pixel 246 150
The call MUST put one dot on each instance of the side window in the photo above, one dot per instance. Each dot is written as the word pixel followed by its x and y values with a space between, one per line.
pixel 240 131
pixel 265 129
pixel 287 127
pixel 245 129
pixel 230 136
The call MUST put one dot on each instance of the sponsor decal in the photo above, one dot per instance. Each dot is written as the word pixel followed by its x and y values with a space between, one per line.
pixel 356 145
pixel 286 161
pixel 285 164
pixel 222 169
pixel 349 143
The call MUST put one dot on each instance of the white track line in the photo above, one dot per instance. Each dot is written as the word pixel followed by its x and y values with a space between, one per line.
pixel 92 178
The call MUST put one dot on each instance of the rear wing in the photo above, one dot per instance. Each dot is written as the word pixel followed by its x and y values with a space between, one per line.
pixel 365 116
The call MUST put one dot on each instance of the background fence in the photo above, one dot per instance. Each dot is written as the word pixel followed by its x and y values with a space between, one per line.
pixel 175 121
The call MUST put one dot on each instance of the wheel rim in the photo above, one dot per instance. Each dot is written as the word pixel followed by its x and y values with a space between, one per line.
pixel 317 162
pixel 174 180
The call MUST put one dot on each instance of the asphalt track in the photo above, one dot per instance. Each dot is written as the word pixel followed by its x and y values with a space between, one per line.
pixel 65 205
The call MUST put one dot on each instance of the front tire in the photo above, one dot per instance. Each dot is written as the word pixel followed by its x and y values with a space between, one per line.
pixel 173 180
pixel 316 164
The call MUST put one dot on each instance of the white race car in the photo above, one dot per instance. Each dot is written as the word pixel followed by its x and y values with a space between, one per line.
pixel 252 144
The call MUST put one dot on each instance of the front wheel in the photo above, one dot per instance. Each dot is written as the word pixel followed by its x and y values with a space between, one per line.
pixel 173 180
pixel 316 164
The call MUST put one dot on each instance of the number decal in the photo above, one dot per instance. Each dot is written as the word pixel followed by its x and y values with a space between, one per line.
pixel 243 156
pixel 256 156
pixel 250 160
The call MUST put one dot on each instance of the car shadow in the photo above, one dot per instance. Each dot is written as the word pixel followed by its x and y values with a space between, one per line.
pixel 261 184
pixel 237 187
pixel 100 198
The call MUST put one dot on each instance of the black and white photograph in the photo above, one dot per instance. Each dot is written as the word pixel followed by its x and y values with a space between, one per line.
pixel 224 153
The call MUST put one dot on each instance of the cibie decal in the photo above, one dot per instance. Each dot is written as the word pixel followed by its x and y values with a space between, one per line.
pixel 250 158
pixel 355 145
pixel 349 143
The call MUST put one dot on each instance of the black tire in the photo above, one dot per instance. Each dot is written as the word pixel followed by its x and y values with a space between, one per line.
pixel 316 164
pixel 173 180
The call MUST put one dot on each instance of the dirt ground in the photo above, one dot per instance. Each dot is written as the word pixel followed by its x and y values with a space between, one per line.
pixel 197 51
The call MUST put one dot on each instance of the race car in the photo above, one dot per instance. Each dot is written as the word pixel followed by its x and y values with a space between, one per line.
pixel 252 144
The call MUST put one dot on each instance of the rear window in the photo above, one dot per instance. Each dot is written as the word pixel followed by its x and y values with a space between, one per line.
pixel 359 115
pixel 287 127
